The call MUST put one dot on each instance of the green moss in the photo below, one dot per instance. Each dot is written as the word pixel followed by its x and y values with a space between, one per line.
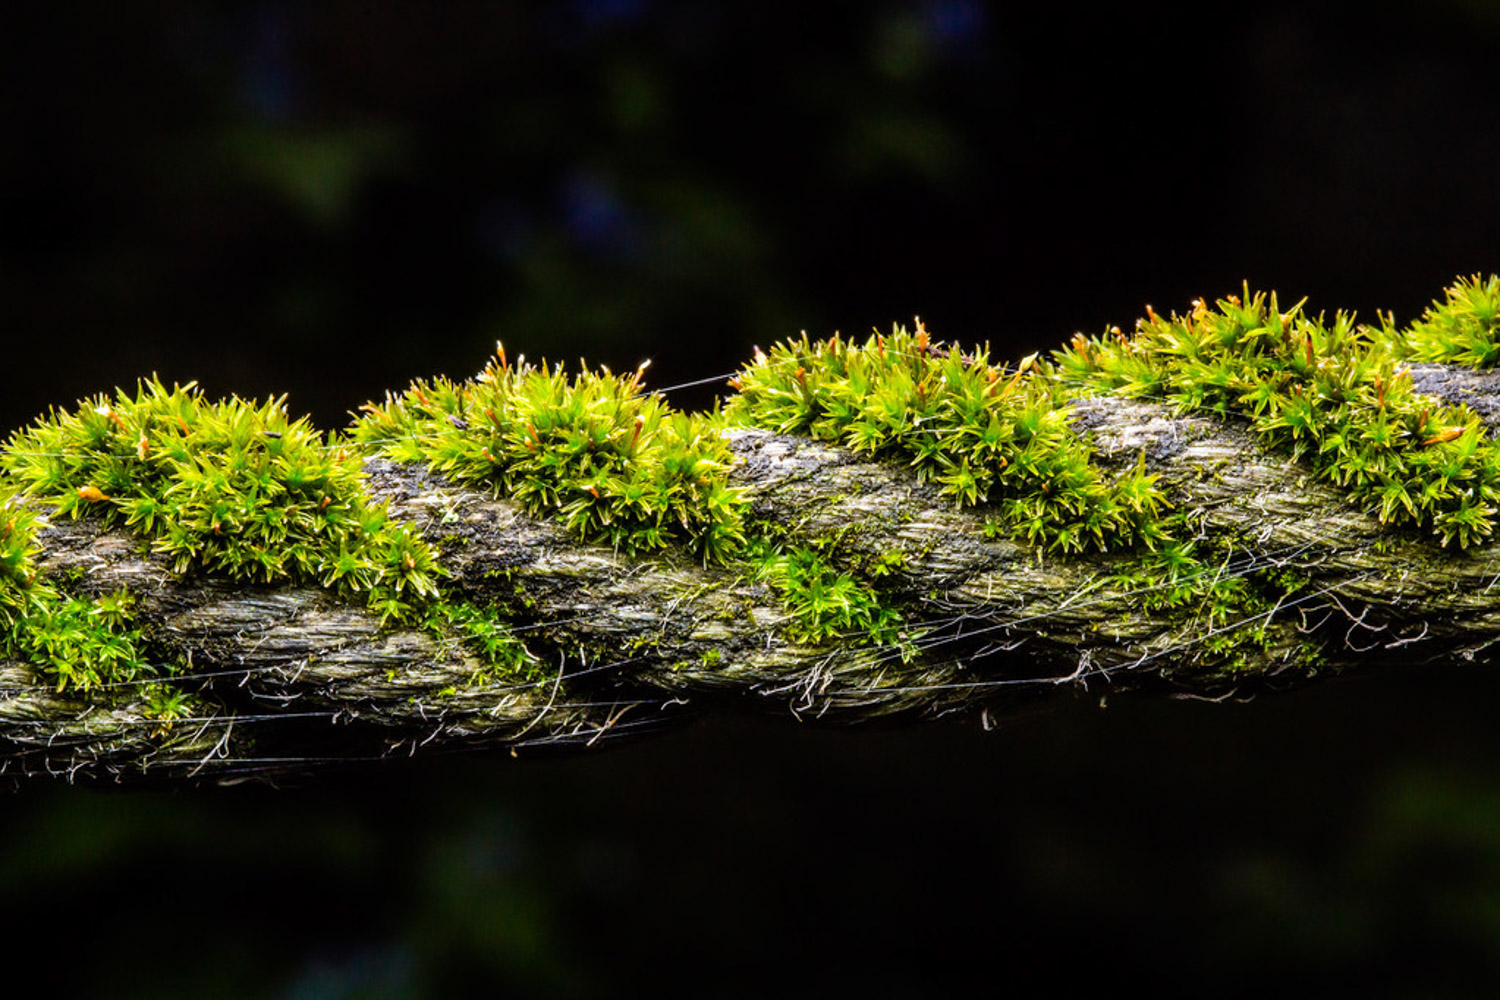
pixel 1333 394
pixel 617 465
pixel 80 643
pixel 240 490
pixel 169 704
pixel 226 488
pixel 1230 598
pixel 502 656
pixel 74 642
pixel 1177 575
pixel 19 590
pixel 229 488
pixel 825 602
pixel 1001 440
pixel 1463 329
pixel 982 434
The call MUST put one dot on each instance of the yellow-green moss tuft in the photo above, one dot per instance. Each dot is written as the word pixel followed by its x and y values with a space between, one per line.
pixel 616 464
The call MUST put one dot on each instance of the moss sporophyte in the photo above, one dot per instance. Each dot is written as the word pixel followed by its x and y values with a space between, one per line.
pixel 239 490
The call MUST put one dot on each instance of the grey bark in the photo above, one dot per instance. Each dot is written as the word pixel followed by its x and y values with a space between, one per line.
pixel 297 678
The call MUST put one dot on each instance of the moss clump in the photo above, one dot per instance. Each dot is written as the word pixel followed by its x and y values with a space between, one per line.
pixel 982 434
pixel 82 644
pixel 1229 595
pixel 1181 574
pixel 617 465
pixel 18 576
pixel 229 487
pixel 77 643
pixel 501 654
pixel 1463 329
pixel 1331 393
pixel 825 602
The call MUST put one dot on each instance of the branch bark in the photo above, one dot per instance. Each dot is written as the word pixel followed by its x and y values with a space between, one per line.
pixel 295 677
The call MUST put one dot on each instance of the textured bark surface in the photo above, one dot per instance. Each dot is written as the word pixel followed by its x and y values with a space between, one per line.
pixel 295 677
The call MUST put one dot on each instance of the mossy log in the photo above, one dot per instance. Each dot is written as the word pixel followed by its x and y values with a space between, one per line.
pixel 287 678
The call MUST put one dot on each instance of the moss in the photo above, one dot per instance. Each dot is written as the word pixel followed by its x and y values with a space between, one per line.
pixel 227 488
pixel 240 490
pixel 1463 329
pixel 169 704
pixel 825 602
pixel 502 656
pixel 1332 394
pixel 1228 604
pixel 616 464
pixel 20 592
pixel 79 643
pixel 982 434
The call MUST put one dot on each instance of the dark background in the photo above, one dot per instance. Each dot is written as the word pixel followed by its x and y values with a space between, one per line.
pixel 329 200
